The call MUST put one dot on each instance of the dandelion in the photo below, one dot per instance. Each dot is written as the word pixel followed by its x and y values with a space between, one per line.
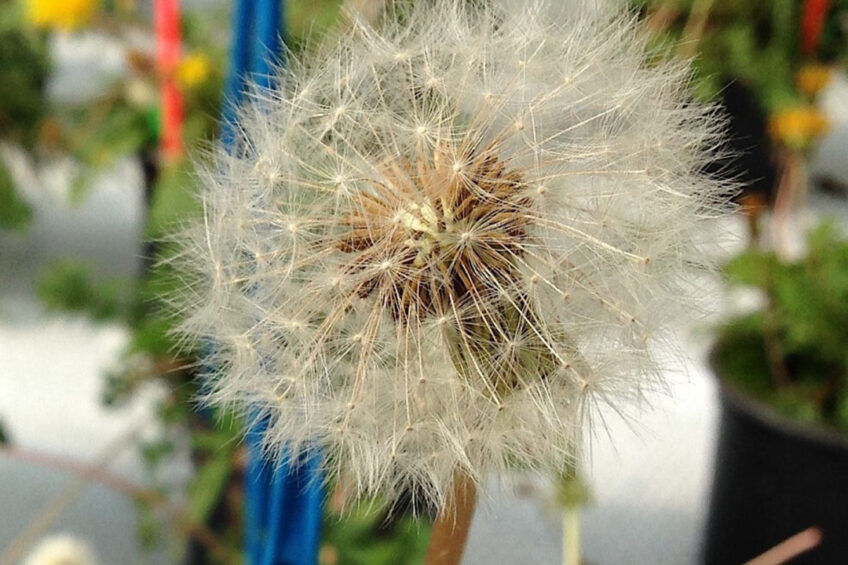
pixel 446 239
pixel 66 15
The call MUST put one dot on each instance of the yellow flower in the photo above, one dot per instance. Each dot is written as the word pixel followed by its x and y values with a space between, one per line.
pixel 812 78
pixel 60 14
pixel 193 70
pixel 798 127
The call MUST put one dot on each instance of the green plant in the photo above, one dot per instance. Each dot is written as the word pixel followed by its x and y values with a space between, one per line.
pixel 792 353
pixel 23 74
pixel 755 43
pixel 15 212
pixel 24 67
pixel 366 535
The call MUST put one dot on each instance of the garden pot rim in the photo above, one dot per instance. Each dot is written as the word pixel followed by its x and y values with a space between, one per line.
pixel 767 416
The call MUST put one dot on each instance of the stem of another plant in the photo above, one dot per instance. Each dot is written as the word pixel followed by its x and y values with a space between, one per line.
pixel 56 506
pixel 789 199
pixel 571 535
pixel 774 348
pixel 97 473
pixel 789 549
pixel 450 530
pixel 693 31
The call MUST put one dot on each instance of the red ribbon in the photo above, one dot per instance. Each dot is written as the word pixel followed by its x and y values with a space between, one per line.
pixel 166 14
pixel 813 16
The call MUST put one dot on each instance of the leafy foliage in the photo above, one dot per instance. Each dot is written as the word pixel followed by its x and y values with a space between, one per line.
pixel 15 213
pixel 793 353
pixel 23 73
pixel 349 538
pixel 98 134
pixel 754 43
pixel 70 286
pixel 308 18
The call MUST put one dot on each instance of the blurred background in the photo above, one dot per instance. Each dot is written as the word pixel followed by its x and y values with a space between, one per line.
pixel 105 459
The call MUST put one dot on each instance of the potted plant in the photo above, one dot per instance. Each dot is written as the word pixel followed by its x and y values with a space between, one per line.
pixel 782 368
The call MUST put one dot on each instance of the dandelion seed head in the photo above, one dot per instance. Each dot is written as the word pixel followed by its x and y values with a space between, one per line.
pixel 466 246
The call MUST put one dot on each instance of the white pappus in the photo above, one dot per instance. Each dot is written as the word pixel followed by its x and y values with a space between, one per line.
pixel 444 239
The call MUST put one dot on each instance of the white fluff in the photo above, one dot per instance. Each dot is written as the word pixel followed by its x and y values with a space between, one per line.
pixel 439 340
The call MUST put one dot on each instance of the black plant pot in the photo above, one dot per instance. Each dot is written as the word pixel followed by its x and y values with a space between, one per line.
pixel 774 478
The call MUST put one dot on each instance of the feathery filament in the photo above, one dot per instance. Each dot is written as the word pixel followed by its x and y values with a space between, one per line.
pixel 445 240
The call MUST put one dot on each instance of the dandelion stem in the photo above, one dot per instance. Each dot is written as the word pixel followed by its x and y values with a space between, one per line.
pixel 450 530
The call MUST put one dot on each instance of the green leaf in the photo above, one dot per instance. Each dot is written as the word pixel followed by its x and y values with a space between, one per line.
pixel 174 199
pixel 741 354
pixel 123 130
pixel 152 336
pixel 155 452
pixel 24 67
pixel 752 268
pixel 208 486
pixel 307 17
pixel 149 528
pixel 15 213
pixel 69 286
pixel 804 324
pixel 363 536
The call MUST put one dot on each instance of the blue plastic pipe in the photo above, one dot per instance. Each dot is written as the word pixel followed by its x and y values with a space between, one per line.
pixel 238 71
pixel 283 501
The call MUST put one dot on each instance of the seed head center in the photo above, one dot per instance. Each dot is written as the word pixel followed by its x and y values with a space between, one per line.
pixel 448 236
pixel 426 226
